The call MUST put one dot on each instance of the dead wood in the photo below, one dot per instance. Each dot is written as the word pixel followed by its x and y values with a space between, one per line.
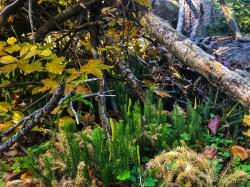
pixel 190 54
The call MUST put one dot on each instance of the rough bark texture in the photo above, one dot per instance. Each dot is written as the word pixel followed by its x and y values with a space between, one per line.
pixel 230 52
pixel 131 79
pixel 166 9
pixel 190 54
pixel 230 19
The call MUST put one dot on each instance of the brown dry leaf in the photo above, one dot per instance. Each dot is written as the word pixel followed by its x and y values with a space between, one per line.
pixel 162 93
pixel 26 177
pixel 239 151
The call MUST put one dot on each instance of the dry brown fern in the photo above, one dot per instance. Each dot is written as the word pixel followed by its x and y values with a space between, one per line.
pixel 184 166
pixel 232 178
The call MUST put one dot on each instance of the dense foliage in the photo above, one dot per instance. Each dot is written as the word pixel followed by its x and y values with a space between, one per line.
pixel 182 132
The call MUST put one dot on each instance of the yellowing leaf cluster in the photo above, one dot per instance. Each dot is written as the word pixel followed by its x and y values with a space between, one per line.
pixel 4 107
pixel 56 65
pixel 48 85
pixel 27 60
pixel 94 67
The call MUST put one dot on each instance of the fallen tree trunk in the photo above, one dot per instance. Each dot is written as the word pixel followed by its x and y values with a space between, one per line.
pixel 235 52
pixel 190 54
pixel 232 53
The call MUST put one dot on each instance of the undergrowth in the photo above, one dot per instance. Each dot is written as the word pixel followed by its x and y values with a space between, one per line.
pixel 89 157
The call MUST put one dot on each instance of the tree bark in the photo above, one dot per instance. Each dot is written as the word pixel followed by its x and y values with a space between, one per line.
pixel 230 19
pixel 190 54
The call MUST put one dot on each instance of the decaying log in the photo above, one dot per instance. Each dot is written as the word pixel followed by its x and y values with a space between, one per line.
pixel 230 52
pixel 190 54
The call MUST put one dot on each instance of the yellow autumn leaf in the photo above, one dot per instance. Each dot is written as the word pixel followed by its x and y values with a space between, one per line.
pixel 8 59
pixel 48 84
pixel 11 40
pixel 8 68
pixel 73 74
pixel 247 133
pixel 17 116
pixel 82 89
pixel 246 120
pixel 70 112
pixel 57 110
pixel 36 90
pixel 94 67
pixel 12 49
pixel 4 126
pixel 2 53
pixel 56 66
pixel 30 68
pixel 37 65
pixel 2 44
pixel 32 52
pixel 46 53
pixel 5 83
pixel 25 49
pixel 4 107
pixel 66 120
pixel 146 3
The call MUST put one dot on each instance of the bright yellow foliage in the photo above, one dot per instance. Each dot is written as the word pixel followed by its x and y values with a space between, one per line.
pixel 246 120
pixel 25 49
pixel 4 107
pixel 8 68
pixel 94 67
pixel 12 49
pixel 46 53
pixel 247 133
pixel 11 40
pixel 8 59
pixel 56 65
pixel 17 116
pixel 66 120
pixel 48 84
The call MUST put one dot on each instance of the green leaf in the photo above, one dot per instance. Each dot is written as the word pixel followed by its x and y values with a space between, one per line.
pixel 124 175
pixel 150 182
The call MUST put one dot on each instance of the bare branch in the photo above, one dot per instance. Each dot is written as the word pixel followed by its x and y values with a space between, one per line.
pixel 30 121
pixel 52 23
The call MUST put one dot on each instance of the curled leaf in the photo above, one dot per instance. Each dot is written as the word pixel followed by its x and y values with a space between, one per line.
pixel 239 151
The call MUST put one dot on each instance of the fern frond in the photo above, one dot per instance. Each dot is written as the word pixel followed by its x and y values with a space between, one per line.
pixel 233 178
